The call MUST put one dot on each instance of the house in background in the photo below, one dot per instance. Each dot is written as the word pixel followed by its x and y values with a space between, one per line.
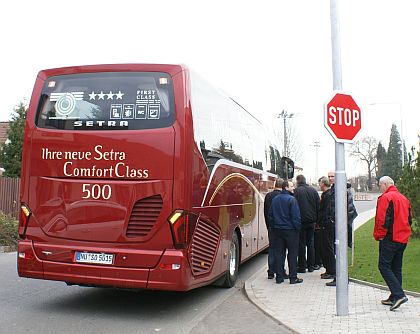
pixel 4 127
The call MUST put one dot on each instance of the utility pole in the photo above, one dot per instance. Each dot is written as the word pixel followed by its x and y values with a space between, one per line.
pixel 317 145
pixel 284 114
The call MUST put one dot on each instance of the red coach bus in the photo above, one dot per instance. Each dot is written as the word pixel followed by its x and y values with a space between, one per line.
pixel 140 176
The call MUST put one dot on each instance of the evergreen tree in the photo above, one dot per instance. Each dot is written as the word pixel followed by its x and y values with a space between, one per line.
pixel 11 152
pixel 409 185
pixel 393 163
pixel 405 153
pixel 380 158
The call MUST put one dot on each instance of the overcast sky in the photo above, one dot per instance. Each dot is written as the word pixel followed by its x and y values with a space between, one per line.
pixel 268 55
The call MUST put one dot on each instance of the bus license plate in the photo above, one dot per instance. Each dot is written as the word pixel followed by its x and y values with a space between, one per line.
pixel 97 258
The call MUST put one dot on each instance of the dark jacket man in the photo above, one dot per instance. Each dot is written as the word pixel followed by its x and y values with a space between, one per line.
pixel 308 200
pixel 351 209
pixel 327 229
pixel 324 205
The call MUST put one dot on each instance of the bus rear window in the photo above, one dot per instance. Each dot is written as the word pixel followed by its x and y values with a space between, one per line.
pixel 107 101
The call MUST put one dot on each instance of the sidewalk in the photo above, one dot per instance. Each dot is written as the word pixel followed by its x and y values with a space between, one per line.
pixel 310 307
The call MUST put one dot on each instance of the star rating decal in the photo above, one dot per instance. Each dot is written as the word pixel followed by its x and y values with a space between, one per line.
pixel 101 96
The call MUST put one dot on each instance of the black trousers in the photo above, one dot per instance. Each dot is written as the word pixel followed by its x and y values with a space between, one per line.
pixel 328 251
pixel 390 265
pixel 306 256
pixel 285 240
pixel 318 246
pixel 350 234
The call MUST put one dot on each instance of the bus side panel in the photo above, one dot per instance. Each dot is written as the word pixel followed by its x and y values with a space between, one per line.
pixel 182 157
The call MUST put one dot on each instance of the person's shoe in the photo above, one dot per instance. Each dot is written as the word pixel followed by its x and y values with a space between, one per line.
pixel 279 280
pixel 387 302
pixel 296 280
pixel 397 303
pixel 302 271
pixel 311 269
pixel 327 276
pixel 317 267
pixel 332 283
pixel 270 274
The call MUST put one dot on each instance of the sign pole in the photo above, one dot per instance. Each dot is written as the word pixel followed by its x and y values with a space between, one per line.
pixel 342 293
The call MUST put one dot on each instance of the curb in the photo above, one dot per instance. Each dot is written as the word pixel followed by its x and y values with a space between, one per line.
pixel 249 292
pixel 382 287
pixel 7 249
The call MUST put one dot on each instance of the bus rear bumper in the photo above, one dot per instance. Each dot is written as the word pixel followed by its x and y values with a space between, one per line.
pixel 171 273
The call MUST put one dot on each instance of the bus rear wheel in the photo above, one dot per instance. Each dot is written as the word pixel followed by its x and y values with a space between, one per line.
pixel 233 263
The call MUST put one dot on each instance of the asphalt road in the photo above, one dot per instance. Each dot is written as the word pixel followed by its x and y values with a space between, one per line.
pixel 362 206
pixel 36 306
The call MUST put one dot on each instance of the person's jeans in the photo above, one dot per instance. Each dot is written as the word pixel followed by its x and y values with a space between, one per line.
pixel 390 265
pixel 282 240
pixel 271 265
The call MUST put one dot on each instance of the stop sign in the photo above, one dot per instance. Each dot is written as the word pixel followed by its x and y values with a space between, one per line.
pixel 342 117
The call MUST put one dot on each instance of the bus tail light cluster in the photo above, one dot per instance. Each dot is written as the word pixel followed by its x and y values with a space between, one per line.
pixel 26 255
pixel 169 266
pixel 182 227
pixel 24 215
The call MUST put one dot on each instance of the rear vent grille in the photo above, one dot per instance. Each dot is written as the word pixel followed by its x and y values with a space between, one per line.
pixel 143 217
pixel 203 248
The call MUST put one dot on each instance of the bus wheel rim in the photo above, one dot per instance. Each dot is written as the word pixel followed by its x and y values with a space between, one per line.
pixel 232 261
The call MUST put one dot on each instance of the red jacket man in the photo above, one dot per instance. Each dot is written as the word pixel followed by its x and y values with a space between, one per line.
pixel 392 230
pixel 393 216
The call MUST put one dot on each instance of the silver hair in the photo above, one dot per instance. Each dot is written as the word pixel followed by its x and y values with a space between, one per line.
pixel 386 180
pixel 325 181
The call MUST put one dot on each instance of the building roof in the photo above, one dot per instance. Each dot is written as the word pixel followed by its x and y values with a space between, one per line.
pixel 4 126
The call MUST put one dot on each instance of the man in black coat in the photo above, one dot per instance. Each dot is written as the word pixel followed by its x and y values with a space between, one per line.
pixel 330 211
pixel 308 200
pixel 327 229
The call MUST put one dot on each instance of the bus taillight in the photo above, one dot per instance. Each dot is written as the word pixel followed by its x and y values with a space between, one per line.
pixel 182 227
pixel 24 215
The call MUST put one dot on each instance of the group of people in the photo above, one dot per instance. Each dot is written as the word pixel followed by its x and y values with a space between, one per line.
pixel 301 224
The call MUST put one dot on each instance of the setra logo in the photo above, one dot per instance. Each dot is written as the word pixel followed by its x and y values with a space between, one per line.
pixel 65 103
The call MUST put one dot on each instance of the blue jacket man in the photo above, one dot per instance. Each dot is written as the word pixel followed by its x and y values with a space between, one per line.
pixel 284 222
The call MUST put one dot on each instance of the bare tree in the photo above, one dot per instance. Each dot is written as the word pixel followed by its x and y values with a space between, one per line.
pixel 365 149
